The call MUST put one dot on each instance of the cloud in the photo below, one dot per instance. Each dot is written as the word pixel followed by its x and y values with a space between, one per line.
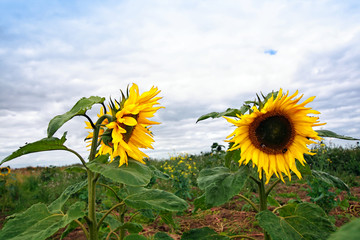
pixel 204 57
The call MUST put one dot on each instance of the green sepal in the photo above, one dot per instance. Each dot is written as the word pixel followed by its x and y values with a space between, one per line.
pixel 327 133
pixel 220 184
pixel 78 109
pixel 132 174
pixel 45 144
pixel 302 222
pixel 39 223
pixel 204 233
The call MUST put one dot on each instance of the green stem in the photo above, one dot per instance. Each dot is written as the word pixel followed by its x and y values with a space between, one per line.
pixel 111 189
pixel 92 178
pixel 272 186
pixel 250 202
pixel 263 200
pixel 93 230
pixel 83 228
pixel 78 155
pixel 108 212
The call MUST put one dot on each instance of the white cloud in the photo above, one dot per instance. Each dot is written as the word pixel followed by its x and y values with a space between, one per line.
pixel 204 56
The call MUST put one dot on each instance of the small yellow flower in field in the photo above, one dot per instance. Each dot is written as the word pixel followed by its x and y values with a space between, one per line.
pixel 275 135
pixel 181 161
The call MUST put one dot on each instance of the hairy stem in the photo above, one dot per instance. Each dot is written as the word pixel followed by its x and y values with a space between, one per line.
pixel 250 202
pixel 108 212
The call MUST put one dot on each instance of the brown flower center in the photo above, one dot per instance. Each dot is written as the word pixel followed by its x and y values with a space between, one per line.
pixel 272 133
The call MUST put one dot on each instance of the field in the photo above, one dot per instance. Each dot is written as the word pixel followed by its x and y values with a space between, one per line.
pixel 179 175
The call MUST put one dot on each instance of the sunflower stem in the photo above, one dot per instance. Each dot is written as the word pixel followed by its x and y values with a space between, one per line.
pixel 272 187
pixel 263 200
pixel 250 202
pixel 92 179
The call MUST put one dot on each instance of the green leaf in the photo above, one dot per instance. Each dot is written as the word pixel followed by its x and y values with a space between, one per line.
pixel 132 227
pixel 158 174
pixel 305 169
pixel 56 205
pixel 135 237
pixel 167 218
pixel 330 179
pixel 110 220
pixel 349 231
pixel 200 203
pixel 327 133
pixel 78 109
pixel 205 233
pixel 156 200
pixel 38 223
pixel 308 221
pixel 220 184
pixel 71 227
pixel 230 112
pixel 232 156
pixel 273 202
pixel 162 236
pixel 133 174
pixel 45 144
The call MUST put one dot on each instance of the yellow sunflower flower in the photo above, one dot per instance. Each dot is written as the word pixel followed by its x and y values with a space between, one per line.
pixel 131 128
pixel 4 171
pixel 275 135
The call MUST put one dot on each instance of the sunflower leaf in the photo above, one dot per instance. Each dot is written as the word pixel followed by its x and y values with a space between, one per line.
pixel 45 144
pixel 57 205
pixel 162 236
pixel 220 185
pixel 230 112
pixel 307 221
pixel 39 223
pixel 155 199
pixel 327 133
pixel 349 231
pixel 204 233
pixel 133 174
pixel 330 179
pixel 78 109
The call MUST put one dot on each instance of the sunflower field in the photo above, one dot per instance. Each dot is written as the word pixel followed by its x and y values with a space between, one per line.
pixel 273 179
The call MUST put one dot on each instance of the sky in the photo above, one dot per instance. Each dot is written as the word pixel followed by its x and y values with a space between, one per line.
pixel 204 56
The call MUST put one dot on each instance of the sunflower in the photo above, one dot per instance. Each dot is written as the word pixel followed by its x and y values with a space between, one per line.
pixel 4 171
pixel 130 129
pixel 273 136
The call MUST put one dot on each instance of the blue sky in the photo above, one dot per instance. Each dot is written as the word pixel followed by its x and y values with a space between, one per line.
pixel 204 56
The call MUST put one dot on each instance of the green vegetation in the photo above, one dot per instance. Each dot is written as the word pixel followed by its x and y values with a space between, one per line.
pixel 24 187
